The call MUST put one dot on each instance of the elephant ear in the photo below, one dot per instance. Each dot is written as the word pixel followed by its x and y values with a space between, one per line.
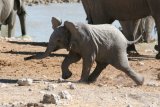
pixel 75 36
pixel 72 28
pixel 55 22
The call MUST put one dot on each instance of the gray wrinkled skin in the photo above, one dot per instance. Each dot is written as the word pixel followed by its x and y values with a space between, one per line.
pixel 8 11
pixel 106 11
pixel 103 44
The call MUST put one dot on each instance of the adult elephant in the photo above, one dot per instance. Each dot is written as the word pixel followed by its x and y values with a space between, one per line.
pixel 145 28
pixel 106 11
pixel 8 11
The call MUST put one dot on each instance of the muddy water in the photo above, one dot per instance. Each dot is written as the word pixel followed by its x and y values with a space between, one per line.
pixel 39 19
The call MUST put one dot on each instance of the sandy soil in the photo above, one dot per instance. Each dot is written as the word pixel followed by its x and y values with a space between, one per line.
pixel 112 89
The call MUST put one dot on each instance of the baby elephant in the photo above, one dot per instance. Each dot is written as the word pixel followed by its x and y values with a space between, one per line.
pixel 103 44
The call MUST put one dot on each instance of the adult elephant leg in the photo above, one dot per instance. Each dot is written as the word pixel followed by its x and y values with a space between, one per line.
pixel 127 29
pixel 130 30
pixel 94 75
pixel 11 24
pixel 148 27
pixel 71 58
pixel 22 18
pixel 157 47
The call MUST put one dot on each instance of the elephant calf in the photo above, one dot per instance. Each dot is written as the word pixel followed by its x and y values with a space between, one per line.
pixel 103 44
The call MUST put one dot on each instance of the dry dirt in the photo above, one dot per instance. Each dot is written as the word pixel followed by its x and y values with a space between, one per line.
pixel 112 89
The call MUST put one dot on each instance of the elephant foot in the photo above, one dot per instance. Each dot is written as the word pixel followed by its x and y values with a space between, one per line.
pixel 83 80
pixel 91 79
pixel 158 56
pixel 131 50
pixel 66 75
pixel 156 48
pixel 133 54
pixel 139 80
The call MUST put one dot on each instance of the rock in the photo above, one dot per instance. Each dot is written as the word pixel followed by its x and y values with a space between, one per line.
pixel 129 105
pixel 100 85
pixel 153 83
pixel 60 80
pixel 25 82
pixel 72 86
pixel 51 99
pixel 2 85
pixel 51 87
pixel 148 51
pixel 29 89
pixel 65 95
pixel 158 76
pixel 140 63
pixel 114 98
pixel 34 105
pixel 42 92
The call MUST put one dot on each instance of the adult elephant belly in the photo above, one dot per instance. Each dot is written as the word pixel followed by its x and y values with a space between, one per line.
pixel 125 9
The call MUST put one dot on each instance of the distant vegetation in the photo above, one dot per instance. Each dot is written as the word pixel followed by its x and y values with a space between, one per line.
pixel 31 2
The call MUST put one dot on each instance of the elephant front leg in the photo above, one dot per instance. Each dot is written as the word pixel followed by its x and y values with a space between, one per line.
pixel 94 75
pixel 87 64
pixel 71 58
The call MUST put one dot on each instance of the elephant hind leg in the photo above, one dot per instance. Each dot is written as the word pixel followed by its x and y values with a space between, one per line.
pixel 122 64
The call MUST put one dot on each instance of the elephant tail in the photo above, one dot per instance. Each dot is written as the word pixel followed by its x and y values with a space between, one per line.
pixel 135 41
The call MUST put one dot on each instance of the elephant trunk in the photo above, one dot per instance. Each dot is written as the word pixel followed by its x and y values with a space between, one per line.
pixel 38 55
pixel 50 48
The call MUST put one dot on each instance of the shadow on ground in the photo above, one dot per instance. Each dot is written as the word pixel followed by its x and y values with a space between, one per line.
pixel 8 81
pixel 43 44
pixel 142 57
pixel 34 53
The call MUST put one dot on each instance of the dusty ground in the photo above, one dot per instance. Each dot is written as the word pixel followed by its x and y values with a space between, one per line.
pixel 112 89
